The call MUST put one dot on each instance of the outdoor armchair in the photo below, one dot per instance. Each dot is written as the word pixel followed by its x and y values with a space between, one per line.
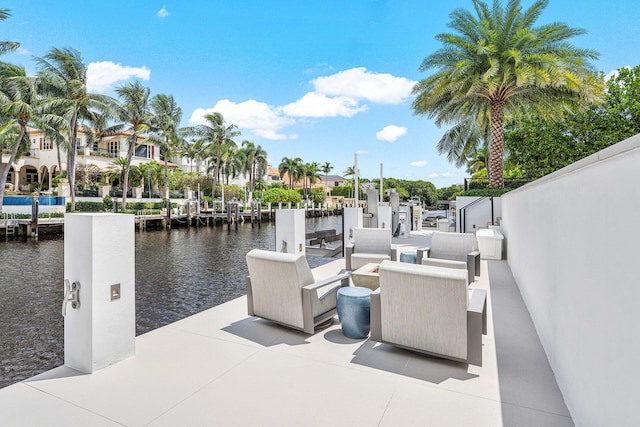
pixel 281 288
pixel 428 309
pixel 370 245
pixel 454 250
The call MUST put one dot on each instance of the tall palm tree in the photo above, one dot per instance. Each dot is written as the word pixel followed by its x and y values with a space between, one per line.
pixel 192 150
pixel 134 111
pixel 288 166
pixel 6 47
pixel 166 119
pixel 18 100
pixel 233 163
pixel 219 138
pixel 461 141
pixel 326 168
pixel 64 77
pixel 255 161
pixel 101 127
pixel 497 62
pixel 310 171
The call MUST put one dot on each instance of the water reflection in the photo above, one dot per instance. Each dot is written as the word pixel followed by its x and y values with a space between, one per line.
pixel 178 273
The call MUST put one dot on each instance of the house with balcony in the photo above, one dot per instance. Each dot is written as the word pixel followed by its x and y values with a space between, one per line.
pixel 46 159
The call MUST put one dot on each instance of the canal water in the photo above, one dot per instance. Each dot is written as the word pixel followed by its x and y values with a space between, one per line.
pixel 178 273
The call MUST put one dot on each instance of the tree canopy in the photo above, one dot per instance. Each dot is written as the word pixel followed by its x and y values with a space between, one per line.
pixel 498 61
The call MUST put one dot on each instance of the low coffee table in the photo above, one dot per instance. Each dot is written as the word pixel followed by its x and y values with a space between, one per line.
pixel 367 276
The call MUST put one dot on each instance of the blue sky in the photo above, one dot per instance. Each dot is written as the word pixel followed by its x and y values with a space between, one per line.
pixel 320 80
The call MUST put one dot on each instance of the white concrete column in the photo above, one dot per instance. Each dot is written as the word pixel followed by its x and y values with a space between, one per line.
pixel 384 217
pixel 351 218
pixel 290 228
pixel 99 254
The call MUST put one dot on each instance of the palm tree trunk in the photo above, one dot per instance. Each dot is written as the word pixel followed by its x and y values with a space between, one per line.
pixel 71 160
pixel 166 172
pixel 497 145
pixel 59 159
pixel 127 167
pixel 5 171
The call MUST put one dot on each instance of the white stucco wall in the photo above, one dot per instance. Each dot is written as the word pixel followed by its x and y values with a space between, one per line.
pixel 572 240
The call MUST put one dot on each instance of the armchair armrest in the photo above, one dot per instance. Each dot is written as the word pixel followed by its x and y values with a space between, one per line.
pixel 348 250
pixel 422 253
pixel 476 325
pixel 473 259
pixel 307 311
pixel 250 309
pixel 376 316
pixel 344 277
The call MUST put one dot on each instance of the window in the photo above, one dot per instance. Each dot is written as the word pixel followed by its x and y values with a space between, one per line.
pixel 143 151
pixel 47 144
pixel 114 148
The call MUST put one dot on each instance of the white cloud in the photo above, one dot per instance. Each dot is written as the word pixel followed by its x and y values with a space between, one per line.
pixel 163 13
pixel 358 83
pixel 101 76
pixel 261 118
pixel 23 51
pixel 315 104
pixel 433 175
pixel 391 133
pixel 419 163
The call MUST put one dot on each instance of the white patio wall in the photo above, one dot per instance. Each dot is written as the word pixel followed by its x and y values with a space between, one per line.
pixel 572 241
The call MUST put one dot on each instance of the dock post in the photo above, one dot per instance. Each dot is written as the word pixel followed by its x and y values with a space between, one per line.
pixel 252 213
pixel 229 216
pixel 99 300
pixel 290 226
pixel 259 214
pixel 35 208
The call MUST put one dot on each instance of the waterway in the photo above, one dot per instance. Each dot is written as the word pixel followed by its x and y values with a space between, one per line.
pixel 178 273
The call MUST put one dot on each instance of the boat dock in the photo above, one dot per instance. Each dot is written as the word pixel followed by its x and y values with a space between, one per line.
pixel 10 227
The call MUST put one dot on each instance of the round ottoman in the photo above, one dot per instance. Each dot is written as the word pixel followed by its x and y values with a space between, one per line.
pixel 354 308
pixel 409 257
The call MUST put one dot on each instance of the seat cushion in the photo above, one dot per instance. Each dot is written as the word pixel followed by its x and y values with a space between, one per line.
pixel 447 263
pixel 360 259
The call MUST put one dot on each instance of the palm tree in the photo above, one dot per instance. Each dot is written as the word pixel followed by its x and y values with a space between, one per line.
pixel 64 78
pixel 500 62
pixel 18 97
pixel 255 161
pixel 479 160
pixel 166 119
pixel 6 47
pixel 461 141
pixel 288 166
pixel 326 168
pixel 101 128
pixel 134 111
pixel 310 171
pixel 219 138
pixel 192 150
pixel 117 171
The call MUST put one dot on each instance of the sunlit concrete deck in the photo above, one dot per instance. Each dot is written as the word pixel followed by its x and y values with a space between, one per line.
pixel 221 367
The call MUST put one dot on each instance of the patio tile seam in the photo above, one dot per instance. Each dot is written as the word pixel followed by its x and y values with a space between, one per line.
pixel 202 387
pixel 542 411
pixel 257 347
pixel 58 398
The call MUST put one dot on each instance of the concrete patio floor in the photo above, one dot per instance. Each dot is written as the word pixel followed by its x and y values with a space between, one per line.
pixel 221 367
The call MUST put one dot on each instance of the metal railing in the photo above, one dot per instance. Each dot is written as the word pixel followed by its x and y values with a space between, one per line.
pixel 463 212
